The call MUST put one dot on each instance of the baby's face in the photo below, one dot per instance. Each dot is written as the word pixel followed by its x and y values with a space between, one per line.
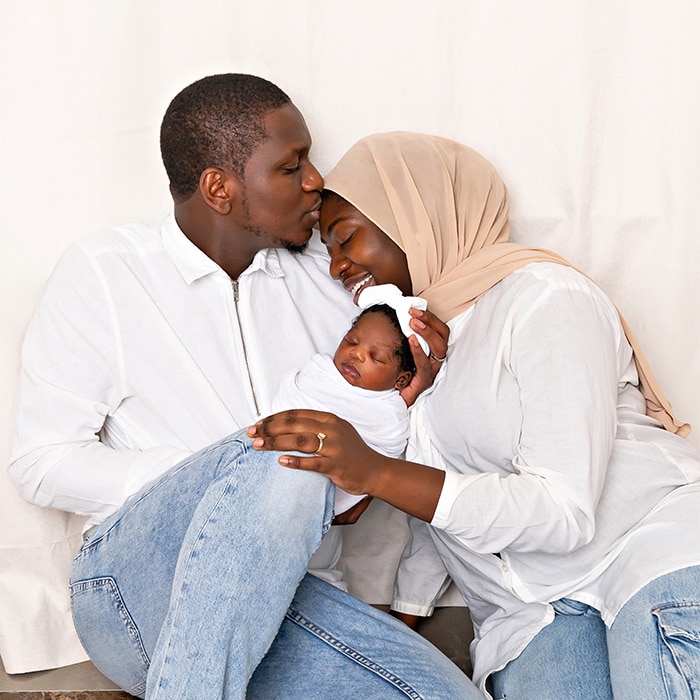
pixel 367 355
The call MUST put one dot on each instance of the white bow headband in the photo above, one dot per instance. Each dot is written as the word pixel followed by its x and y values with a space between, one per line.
pixel 391 295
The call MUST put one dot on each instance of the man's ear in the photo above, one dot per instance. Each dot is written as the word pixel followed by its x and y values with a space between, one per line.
pixel 403 380
pixel 219 189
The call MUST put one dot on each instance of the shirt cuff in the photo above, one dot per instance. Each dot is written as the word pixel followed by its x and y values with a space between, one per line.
pixel 450 490
pixel 403 606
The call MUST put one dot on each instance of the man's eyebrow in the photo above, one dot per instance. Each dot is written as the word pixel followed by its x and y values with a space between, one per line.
pixel 290 153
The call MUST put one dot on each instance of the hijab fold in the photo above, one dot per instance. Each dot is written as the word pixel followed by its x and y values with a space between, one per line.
pixel 446 207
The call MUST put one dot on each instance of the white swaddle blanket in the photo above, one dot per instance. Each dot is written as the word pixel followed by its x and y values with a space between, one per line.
pixel 380 417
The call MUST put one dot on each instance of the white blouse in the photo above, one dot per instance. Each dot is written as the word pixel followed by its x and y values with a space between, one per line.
pixel 557 484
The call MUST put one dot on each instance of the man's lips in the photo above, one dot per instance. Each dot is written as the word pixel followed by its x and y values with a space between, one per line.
pixel 315 211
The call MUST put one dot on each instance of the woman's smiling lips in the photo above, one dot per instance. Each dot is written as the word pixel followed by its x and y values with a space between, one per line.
pixel 355 285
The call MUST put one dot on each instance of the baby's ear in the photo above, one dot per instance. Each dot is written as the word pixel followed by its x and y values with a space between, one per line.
pixel 403 380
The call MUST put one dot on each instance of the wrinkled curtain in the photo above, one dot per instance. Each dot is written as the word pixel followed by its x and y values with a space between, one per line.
pixel 589 110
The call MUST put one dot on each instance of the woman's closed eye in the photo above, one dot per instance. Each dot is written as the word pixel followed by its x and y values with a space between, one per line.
pixel 346 240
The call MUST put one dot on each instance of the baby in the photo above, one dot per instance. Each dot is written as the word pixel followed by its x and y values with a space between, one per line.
pixel 361 382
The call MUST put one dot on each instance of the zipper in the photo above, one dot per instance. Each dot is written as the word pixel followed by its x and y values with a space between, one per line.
pixel 234 286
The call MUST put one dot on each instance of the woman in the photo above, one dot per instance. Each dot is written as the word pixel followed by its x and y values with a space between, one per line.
pixel 561 496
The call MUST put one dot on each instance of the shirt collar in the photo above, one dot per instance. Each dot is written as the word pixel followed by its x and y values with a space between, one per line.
pixel 193 264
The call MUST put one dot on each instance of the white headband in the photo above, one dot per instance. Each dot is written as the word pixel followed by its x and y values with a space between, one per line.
pixel 390 295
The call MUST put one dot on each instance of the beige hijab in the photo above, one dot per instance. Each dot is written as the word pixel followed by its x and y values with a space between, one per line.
pixel 446 207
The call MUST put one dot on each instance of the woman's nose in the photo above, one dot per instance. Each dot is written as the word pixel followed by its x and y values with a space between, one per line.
pixel 339 263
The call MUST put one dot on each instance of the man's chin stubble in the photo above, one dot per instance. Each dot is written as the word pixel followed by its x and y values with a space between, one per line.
pixel 295 249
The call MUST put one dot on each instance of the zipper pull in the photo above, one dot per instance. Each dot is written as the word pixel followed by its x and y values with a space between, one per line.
pixel 234 286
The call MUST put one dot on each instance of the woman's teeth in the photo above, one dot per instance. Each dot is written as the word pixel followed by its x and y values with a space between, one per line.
pixel 356 287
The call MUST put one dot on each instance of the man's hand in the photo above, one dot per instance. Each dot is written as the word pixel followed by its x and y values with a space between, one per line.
pixel 352 515
pixel 410 620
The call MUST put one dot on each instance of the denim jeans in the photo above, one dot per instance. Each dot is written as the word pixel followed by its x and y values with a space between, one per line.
pixel 651 652
pixel 182 592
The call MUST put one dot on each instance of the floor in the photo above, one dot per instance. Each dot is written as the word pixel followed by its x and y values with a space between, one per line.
pixel 78 682
pixel 449 629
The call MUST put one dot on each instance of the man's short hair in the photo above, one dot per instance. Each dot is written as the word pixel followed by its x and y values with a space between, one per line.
pixel 217 121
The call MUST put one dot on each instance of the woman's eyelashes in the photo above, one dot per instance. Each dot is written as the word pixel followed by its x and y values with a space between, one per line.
pixel 346 240
pixel 341 243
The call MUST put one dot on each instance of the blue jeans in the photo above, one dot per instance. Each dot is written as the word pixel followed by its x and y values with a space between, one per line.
pixel 651 652
pixel 184 590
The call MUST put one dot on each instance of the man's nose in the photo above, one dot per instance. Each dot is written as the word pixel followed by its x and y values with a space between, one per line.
pixel 312 180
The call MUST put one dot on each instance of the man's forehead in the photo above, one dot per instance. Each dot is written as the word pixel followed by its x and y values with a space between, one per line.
pixel 286 130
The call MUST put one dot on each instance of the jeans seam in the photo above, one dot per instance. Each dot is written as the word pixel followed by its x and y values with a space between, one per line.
pixel 356 656
pixel 132 630
pixel 186 563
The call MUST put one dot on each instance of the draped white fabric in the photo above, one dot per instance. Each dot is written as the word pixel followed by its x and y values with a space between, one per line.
pixel 588 109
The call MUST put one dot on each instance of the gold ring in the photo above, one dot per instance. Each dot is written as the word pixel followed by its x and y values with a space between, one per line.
pixel 321 437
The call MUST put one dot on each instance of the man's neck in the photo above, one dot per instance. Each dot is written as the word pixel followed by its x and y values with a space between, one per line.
pixel 203 231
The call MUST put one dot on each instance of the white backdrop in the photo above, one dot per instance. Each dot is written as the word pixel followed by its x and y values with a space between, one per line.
pixel 589 110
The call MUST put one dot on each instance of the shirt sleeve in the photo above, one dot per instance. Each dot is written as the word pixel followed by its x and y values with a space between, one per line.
pixel 71 379
pixel 565 350
pixel 421 577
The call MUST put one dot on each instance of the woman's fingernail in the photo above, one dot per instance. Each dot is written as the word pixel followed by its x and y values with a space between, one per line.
pixel 258 442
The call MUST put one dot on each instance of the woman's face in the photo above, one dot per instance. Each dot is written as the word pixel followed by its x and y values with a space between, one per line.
pixel 361 253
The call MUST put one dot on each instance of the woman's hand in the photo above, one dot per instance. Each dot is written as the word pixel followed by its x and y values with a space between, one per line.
pixel 436 333
pixel 344 457
pixel 334 448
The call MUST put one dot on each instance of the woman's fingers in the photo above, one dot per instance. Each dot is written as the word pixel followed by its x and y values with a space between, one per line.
pixel 297 429
pixel 433 330
pixel 424 376
pixel 436 333
pixel 290 442
pixel 331 446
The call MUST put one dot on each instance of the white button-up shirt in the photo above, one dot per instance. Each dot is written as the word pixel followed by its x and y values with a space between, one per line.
pixel 557 484
pixel 142 351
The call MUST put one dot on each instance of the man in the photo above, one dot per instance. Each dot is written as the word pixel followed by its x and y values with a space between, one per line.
pixel 151 349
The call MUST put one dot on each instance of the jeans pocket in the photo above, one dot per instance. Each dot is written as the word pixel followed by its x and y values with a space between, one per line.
pixel 678 624
pixel 109 633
